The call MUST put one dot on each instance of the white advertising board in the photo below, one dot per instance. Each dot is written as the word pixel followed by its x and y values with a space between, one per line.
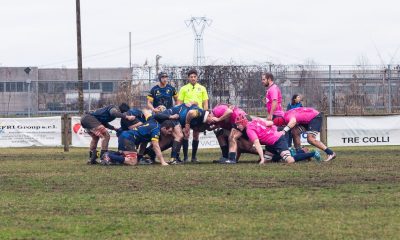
pixel 27 132
pixel 363 131
pixel 80 138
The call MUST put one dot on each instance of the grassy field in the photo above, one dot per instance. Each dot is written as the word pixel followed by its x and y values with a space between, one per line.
pixel 48 194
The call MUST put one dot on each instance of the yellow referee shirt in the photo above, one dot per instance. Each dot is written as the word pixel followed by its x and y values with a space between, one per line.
pixel 190 93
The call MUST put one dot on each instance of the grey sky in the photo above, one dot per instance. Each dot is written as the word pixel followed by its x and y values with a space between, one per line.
pixel 43 32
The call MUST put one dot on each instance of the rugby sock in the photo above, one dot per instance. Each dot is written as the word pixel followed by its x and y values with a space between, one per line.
pixel 93 156
pixel 139 156
pixel 328 151
pixel 225 151
pixel 232 156
pixel 300 150
pixel 146 151
pixel 195 146
pixel 116 158
pixel 176 148
pixel 149 151
pixel 303 156
pixel 185 146
pixel 276 158
pixel 102 153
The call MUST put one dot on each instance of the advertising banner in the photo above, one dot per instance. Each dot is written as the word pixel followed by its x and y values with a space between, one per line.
pixel 27 132
pixel 80 138
pixel 363 131
pixel 303 138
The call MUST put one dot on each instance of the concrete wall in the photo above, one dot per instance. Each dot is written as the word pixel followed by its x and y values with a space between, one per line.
pixel 17 74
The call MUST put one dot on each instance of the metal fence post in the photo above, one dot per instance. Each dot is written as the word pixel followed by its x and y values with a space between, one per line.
pixel 330 90
pixel 389 90
pixel 149 74
pixel 29 82
pixel 65 135
pixel 324 130
pixel 210 96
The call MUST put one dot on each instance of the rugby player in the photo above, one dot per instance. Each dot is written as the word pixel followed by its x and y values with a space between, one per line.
pixel 303 119
pixel 131 124
pixel 260 132
pixel 96 123
pixel 222 118
pixel 184 118
pixel 128 141
pixel 244 145
pixel 273 96
pixel 162 94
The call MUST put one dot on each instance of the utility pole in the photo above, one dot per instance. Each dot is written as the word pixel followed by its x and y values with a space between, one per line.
pixel 157 63
pixel 79 49
pixel 330 91
pixel 198 25
pixel 89 89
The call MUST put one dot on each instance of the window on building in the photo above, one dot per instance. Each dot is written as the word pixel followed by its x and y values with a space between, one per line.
pixel 1 87
pixel 20 87
pixel 10 86
pixel 94 85
pixel 15 87
pixel 72 86
pixel 107 86
pixel 59 87
pixel 43 87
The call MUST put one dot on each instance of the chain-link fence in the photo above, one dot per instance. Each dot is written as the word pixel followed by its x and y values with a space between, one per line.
pixel 334 90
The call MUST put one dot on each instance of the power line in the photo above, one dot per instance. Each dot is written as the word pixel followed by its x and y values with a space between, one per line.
pixel 246 48
pixel 251 43
pixel 144 43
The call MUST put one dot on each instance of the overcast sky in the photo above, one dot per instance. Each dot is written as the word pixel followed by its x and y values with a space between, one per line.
pixel 43 32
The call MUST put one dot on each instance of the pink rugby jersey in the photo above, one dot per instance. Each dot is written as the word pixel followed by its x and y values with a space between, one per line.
pixel 273 93
pixel 303 115
pixel 236 112
pixel 219 110
pixel 258 129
